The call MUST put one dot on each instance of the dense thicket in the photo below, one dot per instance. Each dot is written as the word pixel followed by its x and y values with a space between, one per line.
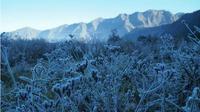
pixel 148 75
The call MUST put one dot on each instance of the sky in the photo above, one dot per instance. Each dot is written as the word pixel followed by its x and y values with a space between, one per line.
pixel 45 14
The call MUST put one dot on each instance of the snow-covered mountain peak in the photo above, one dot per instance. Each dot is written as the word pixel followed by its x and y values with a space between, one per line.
pixel 25 33
pixel 101 28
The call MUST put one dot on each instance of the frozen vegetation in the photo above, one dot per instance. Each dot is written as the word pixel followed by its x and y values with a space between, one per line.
pixel 151 74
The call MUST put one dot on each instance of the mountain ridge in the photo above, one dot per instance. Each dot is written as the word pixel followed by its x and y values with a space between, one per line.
pixel 100 28
pixel 177 28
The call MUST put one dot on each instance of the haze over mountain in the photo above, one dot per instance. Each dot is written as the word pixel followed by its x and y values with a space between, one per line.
pixel 100 28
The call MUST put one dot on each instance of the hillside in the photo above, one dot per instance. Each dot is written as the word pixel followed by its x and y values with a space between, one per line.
pixel 100 28
pixel 177 28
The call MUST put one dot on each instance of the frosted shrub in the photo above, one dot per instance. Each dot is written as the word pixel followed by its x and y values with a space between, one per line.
pixel 85 78
pixel 193 102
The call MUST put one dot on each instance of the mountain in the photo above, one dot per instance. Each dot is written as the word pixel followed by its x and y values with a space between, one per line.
pixel 24 33
pixel 100 28
pixel 177 28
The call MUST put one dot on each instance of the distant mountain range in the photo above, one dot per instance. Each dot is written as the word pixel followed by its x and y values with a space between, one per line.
pixel 176 29
pixel 101 28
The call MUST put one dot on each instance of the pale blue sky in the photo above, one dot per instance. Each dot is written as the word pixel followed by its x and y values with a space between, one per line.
pixel 44 14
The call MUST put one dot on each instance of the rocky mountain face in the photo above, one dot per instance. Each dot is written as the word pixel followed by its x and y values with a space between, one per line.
pixel 176 29
pixel 100 28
